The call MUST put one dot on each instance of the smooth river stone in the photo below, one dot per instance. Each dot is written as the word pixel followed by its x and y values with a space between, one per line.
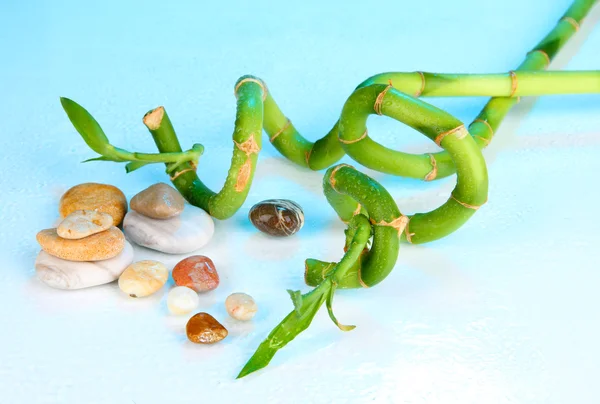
pixel 143 278
pixel 159 201
pixel 83 223
pixel 92 196
pixel 63 274
pixel 97 247
pixel 179 235
pixel 196 272
pixel 241 306
pixel 277 217
pixel 203 328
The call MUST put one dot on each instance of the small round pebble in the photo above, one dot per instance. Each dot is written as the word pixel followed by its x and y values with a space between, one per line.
pixel 143 278
pixel 182 300
pixel 92 196
pixel 202 328
pixel 97 247
pixel 83 223
pixel 160 201
pixel 196 272
pixel 277 217
pixel 241 306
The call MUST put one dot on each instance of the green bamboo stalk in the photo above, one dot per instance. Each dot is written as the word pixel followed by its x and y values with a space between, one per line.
pixel 326 151
pixel 378 263
pixel 247 144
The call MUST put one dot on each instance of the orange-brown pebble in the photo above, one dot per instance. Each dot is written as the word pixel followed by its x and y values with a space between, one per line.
pixel 92 196
pixel 196 272
pixel 203 328
pixel 97 247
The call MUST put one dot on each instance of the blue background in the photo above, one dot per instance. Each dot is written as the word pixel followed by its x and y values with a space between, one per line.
pixel 505 310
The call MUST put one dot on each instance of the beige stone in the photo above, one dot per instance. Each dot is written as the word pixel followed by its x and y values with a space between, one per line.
pixel 99 246
pixel 82 223
pixel 160 201
pixel 182 300
pixel 143 278
pixel 241 306
pixel 92 196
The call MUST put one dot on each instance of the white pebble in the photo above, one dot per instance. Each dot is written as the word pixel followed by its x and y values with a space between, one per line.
pixel 182 300
pixel 241 306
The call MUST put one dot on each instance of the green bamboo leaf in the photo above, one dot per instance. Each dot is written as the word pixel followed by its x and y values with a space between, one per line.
pixel 329 304
pixel 296 296
pixel 292 325
pixel 86 125
pixel 134 165
pixel 101 158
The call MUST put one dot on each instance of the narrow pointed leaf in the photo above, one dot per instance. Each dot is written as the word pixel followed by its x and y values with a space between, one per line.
pixel 296 299
pixel 329 304
pixel 86 125
pixel 134 165
pixel 101 158
pixel 292 325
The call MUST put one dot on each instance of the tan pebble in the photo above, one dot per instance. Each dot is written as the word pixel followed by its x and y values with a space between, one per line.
pixel 202 328
pixel 97 247
pixel 241 306
pixel 92 196
pixel 196 272
pixel 159 201
pixel 143 278
pixel 83 223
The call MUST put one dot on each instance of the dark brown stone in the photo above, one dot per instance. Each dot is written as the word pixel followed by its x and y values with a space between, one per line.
pixel 277 217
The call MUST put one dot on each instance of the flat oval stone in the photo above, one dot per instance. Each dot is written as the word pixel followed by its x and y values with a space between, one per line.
pixel 92 196
pixel 143 278
pixel 179 235
pixel 62 274
pixel 202 328
pixel 196 272
pixel 160 201
pixel 82 223
pixel 277 217
pixel 97 247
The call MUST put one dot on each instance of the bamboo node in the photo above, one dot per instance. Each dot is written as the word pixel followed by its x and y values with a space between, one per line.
pixel 243 175
pixel 358 139
pixel 466 205
pixel 249 146
pixel 459 132
pixel 288 123
pixel 399 223
pixel 418 93
pixel 571 21
pixel 359 273
pixel 178 173
pixel 407 233
pixel 332 181
pixel 486 123
pixel 514 83
pixel 252 80
pixel 433 173
pixel 483 139
pixel 544 54
pixel 379 100
pixel 307 156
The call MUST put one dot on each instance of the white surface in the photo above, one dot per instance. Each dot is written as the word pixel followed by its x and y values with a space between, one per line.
pixel 503 311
